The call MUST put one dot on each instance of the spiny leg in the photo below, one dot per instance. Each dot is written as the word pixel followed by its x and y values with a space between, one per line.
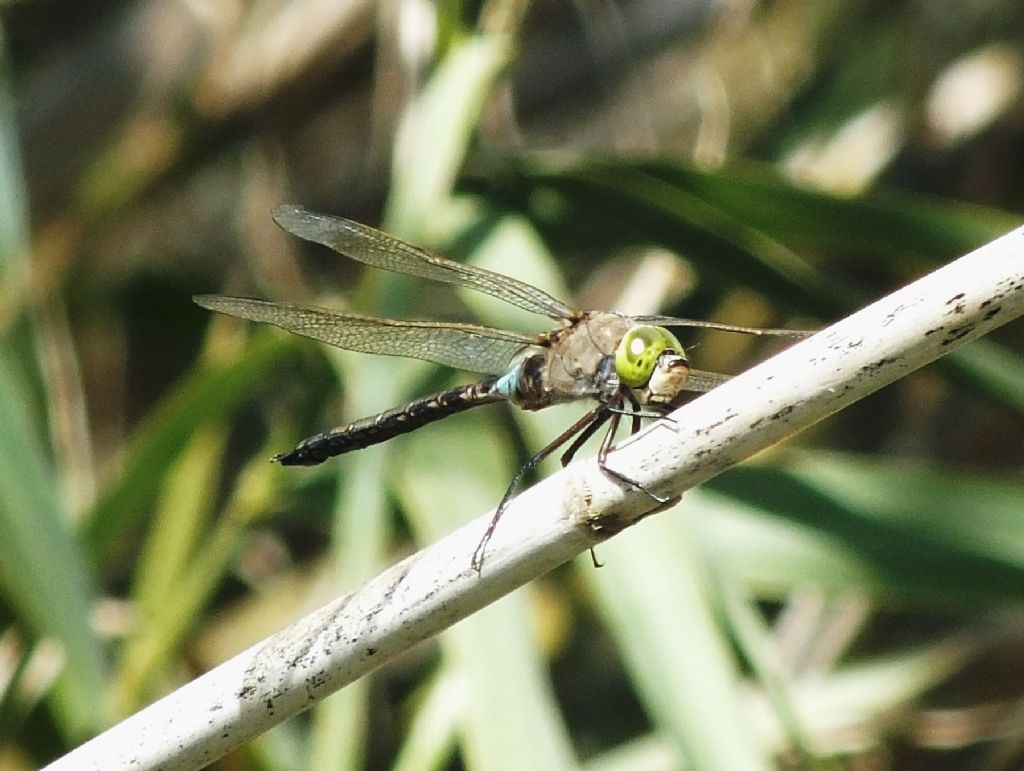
pixel 598 421
pixel 477 561
pixel 589 424
pixel 634 405
pixel 578 442
pixel 636 413
pixel 615 410
pixel 602 462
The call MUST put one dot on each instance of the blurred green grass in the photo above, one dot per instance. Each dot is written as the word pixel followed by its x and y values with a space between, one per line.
pixel 827 587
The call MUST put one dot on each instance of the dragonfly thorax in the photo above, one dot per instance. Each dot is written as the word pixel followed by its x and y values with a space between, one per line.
pixel 597 359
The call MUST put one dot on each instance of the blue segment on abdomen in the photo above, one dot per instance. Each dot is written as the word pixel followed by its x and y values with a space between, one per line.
pixel 507 384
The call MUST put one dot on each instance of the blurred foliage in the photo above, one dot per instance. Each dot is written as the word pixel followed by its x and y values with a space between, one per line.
pixel 851 600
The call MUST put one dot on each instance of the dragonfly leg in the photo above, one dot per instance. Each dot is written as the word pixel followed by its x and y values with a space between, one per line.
pixel 639 414
pixel 595 415
pixel 614 412
pixel 602 461
pixel 634 405
pixel 598 421
pixel 579 441
pixel 636 412
pixel 586 427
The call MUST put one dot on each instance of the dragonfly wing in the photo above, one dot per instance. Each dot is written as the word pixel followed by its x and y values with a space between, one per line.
pixel 460 346
pixel 673 321
pixel 379 250
pixel 700 381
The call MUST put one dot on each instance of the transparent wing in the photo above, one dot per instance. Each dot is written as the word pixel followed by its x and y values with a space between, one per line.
pixel 460 346
pixel 673 321
pixel 700 381
pixel 380 250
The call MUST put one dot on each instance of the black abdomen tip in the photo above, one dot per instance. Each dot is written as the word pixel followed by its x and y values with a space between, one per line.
pixel 300 456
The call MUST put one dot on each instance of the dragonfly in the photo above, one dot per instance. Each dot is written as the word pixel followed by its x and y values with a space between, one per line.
pixel 628 365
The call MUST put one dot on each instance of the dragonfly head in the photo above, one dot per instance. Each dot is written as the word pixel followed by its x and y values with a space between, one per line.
pixel 652 359
pixel 671 372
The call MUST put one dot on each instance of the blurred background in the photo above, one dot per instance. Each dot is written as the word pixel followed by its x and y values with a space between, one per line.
pixel 852 599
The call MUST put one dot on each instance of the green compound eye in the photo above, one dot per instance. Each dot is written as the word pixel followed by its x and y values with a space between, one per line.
pixel 638 353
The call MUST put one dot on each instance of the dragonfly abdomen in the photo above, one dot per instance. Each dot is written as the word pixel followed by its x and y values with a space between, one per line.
pixel 390 423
